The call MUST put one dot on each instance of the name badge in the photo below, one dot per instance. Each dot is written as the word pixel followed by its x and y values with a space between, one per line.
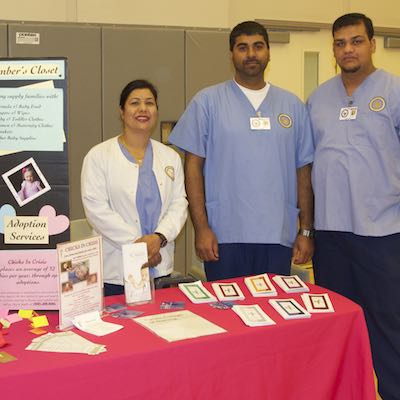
pixel 348 113
pixel 259 124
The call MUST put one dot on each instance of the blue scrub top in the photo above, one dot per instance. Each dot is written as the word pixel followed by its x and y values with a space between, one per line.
pixel 250 175
pixel 356 171
pixel 148 200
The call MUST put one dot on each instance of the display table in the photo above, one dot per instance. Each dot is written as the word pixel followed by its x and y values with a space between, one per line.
pixel 321 358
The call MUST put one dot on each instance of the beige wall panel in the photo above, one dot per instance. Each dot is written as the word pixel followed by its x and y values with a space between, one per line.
pixel 39 10
pixel 205 13
pixel 208 60
pixel 291 10
pixel 142 53
pixel 81 46
pixel 382 12
pixel 388 59
pixel 3 40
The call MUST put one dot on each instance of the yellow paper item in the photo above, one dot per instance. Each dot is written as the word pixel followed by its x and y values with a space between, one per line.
pixel 25 313
pixel 38 331
pixel 38 322
pixel 6 324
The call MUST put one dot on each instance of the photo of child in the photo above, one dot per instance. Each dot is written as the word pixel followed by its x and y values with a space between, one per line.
pixel 26 182
pixel 67 287
pixel 30 183
pixel 79 272
pixel 66 266
pixel 92 278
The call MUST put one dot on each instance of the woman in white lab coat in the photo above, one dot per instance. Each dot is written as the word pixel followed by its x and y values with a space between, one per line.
pixel 133 189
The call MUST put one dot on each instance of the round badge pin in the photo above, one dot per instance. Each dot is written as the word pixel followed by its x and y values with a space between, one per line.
pixel 377 104
pixel 170 171
pixel 285 120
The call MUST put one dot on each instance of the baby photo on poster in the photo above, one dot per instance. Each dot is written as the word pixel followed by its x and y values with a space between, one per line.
pixel 26 182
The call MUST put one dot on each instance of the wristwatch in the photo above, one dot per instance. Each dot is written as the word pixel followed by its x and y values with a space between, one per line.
pixel 163 239
pixel 310 233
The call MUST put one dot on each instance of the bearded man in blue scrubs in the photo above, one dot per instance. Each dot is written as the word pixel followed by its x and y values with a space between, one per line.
pixel 248 148
pixel 356 178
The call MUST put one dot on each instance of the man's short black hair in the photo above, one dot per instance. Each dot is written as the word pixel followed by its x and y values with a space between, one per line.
pixel 248 28
pixel 354 19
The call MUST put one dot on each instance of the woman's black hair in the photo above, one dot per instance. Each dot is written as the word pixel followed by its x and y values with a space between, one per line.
pixel 136 84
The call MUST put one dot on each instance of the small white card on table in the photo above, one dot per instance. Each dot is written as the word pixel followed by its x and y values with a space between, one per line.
pixel 197 293
pixel 260 286
pixel 227 291
pixel 289 308
pixel 290 284
pixel 317 303
pixel 253 315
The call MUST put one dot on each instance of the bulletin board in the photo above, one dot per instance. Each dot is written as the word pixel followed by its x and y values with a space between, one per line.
pixel 34 185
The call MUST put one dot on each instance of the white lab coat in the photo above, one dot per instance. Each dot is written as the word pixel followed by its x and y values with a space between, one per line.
pixel 109 183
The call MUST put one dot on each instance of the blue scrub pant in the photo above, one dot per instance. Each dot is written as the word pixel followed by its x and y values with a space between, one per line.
pixel 243 259
pixel 367 270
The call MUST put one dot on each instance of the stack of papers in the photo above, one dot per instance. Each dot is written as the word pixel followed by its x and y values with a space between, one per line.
pixel 253 315
pixel 65 342
pixel 179 325
pixel 289 308
pixel 260 286
pixel 92 323
pixel 196 292
pixel 228 291
pixel 317 303
pixel 291 284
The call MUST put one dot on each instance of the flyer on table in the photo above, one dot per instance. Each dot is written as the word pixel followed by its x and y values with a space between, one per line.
pixel 81 281
pixel 28 279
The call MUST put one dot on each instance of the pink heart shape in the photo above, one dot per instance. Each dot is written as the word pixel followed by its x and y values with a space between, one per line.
pixel 56 223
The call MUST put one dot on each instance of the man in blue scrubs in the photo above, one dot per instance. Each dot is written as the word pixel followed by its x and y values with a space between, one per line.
pixel 355 118
pixel 248 151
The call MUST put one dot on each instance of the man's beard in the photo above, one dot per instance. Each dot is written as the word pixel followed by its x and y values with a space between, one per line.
pixel 350 70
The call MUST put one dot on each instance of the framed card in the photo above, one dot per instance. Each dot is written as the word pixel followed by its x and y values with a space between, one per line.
pixel 317 303
pixel 291 284
pixel 289 308
pixel 196 292
pixel 260 285
pixel 253 315
pixel 227 291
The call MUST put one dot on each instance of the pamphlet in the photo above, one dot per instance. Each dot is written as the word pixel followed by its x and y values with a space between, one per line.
pixel 196 292
pixel 179 325
pixel 260 286
pixel 92 323
pixel 227 291
pixel 136 279
pixel 317 303
pixel 253 315
pixel 289 308
pixel 290 284
pixel 81 282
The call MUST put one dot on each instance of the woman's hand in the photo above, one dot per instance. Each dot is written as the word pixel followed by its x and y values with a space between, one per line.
pixel 153 245
pixel 153 261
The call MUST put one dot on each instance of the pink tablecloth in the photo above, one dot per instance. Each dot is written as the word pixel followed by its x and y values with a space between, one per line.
pixel 321 358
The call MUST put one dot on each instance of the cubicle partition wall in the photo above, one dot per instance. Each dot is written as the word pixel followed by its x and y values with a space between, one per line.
pixel 101 60
pixel 155 54
pixel 3 40
pixel 207 63
pixel 81 45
